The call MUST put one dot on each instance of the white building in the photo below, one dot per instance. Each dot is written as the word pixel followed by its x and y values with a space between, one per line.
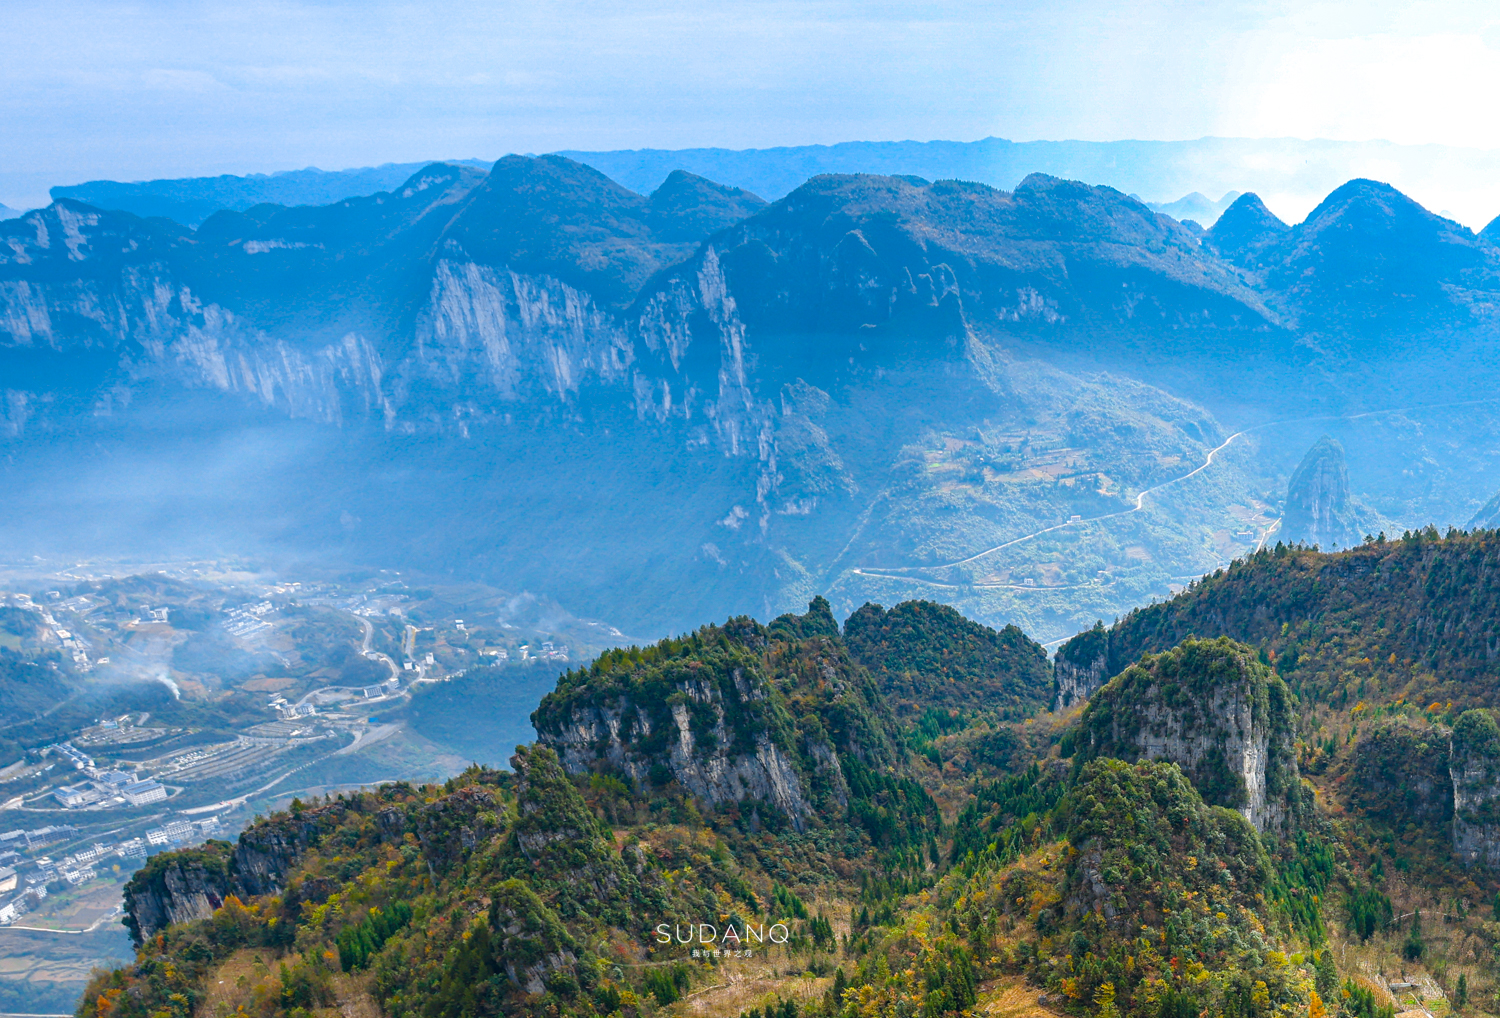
pixel 79 876
pixel 75 796
pixel 141 792
pixel 177 830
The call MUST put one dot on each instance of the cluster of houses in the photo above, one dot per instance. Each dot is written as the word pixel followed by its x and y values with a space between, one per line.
pixel 21 892
pixel 104 788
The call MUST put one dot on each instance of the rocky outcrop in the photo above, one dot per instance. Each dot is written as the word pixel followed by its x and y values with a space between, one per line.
pixel 567 853
pixel 1211 708
pixel 1319 510
pixel 1474 766
pixel 1080 667
pixel 530 939
pixel 691 741
pixel 177 887
pixel 779 718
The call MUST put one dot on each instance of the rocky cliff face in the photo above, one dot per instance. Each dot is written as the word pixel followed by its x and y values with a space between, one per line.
pixel 1319 508
pixel 1212 709
pixel 1080 667
pixel 722 732
pixel 178 887
pixel 1474 766
pixel 771 717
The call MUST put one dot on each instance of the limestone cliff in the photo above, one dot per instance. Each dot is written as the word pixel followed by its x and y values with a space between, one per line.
pixel 1211 708
pixel 177 887
pixel 1474 765
pixel 1319 508
pixel 777 718
pixel 1080 667
pixel 181 886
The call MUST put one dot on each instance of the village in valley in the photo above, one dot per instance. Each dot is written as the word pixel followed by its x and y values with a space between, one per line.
pixel 186 699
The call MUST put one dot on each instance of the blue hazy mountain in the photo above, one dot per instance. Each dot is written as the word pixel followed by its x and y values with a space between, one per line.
pixel 1196 206
pixel 1294 170
pixel 190 200
pixel 683 403
pixel 1247 230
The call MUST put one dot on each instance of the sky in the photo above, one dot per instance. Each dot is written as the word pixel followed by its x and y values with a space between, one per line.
pixel 173 88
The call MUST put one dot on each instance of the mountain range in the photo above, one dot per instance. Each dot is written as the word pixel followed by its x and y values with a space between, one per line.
pixel 875 385
pixel 190 200
pixel 1290 174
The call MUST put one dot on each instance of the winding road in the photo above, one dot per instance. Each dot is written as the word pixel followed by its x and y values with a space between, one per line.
pixel 896 572
pixel 366 648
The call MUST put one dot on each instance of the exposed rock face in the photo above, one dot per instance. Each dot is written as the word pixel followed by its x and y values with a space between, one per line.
pixel 1474 764
pixel 560 839
pixel 742 713
pixel 1080 667
pixel 692 743
pixel 529 938
pixel 180 887
pixel 1319 509
pixel 1211 708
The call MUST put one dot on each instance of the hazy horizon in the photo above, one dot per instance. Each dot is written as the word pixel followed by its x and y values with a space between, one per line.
pixel 1292 175
pixel 202 88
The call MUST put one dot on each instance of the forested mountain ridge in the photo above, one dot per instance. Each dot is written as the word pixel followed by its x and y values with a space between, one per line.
pixel 1110 886
pixel 1416 616
pixel 927 656
pixel 1390 650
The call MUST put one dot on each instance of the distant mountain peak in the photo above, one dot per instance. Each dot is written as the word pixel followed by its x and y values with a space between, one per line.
pixel 1491 232
pixel 1246 229
pixel 687 207
pixel 1370 252
pixel 1319 509
pixel 1042 183
pixel 1196 206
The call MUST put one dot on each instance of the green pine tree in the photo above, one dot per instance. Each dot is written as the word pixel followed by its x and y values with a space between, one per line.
pixel 1413 949
pixel 1327 976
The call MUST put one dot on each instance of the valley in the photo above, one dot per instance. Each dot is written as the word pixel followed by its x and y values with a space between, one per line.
pixel 182 702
